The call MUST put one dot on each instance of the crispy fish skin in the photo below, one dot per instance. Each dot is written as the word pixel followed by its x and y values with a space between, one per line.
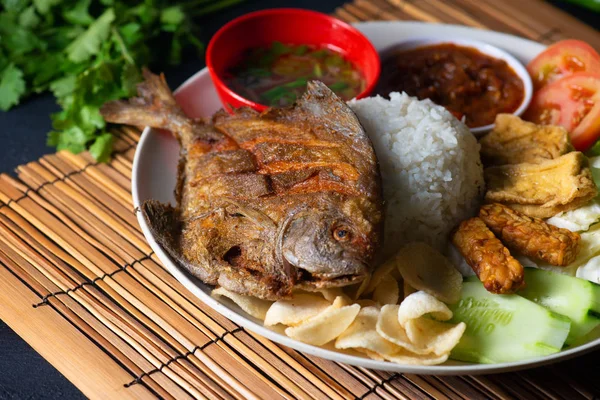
pixel 491 261
pixel 265 201
pixel 514 141
pixel 542 190
pixel 531 236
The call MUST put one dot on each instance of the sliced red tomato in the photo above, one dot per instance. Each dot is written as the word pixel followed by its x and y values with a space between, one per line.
pixel 561 59
pixel 572 102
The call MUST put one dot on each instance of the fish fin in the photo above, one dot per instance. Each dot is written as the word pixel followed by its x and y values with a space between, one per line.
pixel 155 106
pixel 166 226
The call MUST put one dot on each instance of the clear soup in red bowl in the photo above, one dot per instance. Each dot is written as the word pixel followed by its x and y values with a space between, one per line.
pixel 290 27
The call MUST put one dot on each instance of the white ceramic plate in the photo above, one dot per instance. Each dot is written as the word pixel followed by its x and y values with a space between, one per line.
pixel 154 176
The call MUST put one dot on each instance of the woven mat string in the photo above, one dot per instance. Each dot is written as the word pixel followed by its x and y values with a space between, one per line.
pixel 45 299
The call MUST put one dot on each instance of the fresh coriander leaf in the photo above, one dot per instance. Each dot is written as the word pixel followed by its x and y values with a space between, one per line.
pixel 90 118
pixel 172 16
pixel 146 12
pixel 28 18
pixel 18 40
pixel 79 14
pixel 3 60
pixel 102 147
pixel 131 33
pixel 118 39
pixel 88 44
pixel 130 77
pixel 72 139
pixel 14 6
pixel 63 86
pixel 52 62
pixel 12 87
pixel 43 6
pixel 53 138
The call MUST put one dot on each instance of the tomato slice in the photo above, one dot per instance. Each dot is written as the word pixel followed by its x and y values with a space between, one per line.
pixel 562 59
pixel 572 102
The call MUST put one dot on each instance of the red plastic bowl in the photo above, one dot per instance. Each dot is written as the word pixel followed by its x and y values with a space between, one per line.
pixel 289 26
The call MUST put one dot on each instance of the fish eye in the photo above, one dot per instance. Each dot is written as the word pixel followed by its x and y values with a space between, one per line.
pixel 342 234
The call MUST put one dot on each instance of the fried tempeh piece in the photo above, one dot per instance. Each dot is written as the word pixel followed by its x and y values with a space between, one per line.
pixel 531 236
pixel 514 141
pixel 542 190
pixel 498 271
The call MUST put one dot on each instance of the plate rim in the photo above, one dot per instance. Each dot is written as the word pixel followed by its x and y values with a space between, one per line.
pixel 187 281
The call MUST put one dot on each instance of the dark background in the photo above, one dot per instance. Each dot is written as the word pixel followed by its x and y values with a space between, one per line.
pixel 24 374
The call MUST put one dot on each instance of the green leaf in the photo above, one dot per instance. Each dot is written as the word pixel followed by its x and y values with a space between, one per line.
pixel 594 150
pixel 297 83
pixel 28 18
pixel 318 71
pixel 79 14
pixel 102 147
pixel 14 6
pixel 338 86
pixel 131 33
pixel 63 86
pixel 130 77
pixel 72 139
pixel 53 138
pixel 12 87
pixel 301 50
pixel 172 16
pixel 52 63
pixel 278 48
pixel 90 118
pixel 88 44
pixel 43 6
pixel 146 12
pixel 16 39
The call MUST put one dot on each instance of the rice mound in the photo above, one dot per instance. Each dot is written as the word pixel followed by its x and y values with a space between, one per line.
pixel 431 171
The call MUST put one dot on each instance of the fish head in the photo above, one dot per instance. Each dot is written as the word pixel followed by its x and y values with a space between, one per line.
pixel 326 248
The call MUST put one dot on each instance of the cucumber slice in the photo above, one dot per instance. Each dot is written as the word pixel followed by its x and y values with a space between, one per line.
pixel 505 328
pixel 575 298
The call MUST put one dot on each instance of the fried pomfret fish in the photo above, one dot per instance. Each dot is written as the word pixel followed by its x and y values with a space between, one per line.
pixel 266 202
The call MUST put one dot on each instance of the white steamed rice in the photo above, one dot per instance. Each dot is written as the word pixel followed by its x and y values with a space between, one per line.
pixel 431 172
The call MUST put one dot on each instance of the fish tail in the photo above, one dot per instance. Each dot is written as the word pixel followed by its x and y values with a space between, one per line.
pixel 155 107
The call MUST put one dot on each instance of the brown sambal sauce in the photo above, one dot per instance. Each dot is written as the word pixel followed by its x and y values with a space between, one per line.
pixel 462 79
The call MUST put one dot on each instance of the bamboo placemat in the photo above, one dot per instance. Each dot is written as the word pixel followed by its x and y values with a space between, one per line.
pixel 81 285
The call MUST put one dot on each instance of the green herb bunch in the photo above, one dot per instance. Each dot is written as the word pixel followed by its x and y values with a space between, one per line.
pixel 88 52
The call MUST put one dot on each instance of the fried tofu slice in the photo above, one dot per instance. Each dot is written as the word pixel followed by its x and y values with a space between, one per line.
pixel 542 190
pixel 491 261
pixel 514 141
pixel 531 236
